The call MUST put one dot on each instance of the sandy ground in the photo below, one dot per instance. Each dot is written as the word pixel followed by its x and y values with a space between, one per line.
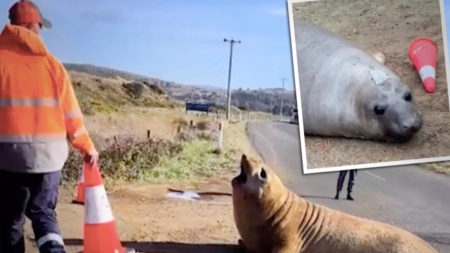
pixel 387 26
pixel 148 221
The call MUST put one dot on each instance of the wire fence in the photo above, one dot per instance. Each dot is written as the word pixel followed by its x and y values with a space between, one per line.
pixel 243 116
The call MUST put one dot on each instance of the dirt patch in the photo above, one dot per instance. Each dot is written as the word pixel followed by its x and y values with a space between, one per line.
pixel 150 222
pixel 387 26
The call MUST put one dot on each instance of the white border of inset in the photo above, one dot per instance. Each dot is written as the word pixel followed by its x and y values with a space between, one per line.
pixel 299 102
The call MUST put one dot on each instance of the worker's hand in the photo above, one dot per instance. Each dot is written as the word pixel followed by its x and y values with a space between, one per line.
pixel 91 157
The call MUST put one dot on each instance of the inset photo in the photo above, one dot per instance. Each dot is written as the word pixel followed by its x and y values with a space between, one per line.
pixel 371 83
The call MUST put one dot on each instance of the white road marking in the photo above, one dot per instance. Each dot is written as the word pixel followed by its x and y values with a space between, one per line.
pixel 375 176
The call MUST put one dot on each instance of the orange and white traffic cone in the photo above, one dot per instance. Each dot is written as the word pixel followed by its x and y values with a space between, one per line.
pixel 100 232
pixel 423 52
pixel 79 197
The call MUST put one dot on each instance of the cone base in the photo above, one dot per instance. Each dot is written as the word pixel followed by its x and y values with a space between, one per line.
pixel 77 202
pixel 79 197
pixel 126 250
pixel 101 238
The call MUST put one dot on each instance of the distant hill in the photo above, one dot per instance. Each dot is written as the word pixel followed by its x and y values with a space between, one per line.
pixel 266 100
pixel 208 87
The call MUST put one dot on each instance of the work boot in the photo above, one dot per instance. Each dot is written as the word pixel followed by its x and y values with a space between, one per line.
pixel 349 196
pixel 337 195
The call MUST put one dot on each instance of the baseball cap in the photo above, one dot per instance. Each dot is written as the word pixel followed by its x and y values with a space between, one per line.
pixel 25 11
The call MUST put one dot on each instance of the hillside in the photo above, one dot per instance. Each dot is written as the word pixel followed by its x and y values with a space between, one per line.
pixel 113 94
pixel 266 100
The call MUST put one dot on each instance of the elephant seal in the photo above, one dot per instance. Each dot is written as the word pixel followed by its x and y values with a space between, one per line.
pixel 347 92
pixel 270 218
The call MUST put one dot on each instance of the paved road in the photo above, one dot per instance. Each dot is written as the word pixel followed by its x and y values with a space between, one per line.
pixel 406 196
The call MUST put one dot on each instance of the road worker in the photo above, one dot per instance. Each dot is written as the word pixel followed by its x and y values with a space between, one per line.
pixel 340 183
pixel 39 113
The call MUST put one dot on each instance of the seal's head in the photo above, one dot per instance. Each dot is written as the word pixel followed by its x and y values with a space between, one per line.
pixel 257 194
pixel 389 108
pixel 255 181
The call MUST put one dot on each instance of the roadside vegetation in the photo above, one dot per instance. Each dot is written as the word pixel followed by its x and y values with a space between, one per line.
pixel 144 136
pixel 440 167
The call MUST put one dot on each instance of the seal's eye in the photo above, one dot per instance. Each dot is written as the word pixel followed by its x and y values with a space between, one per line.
pixel 263 173
pixel 408 96
pixel 378 110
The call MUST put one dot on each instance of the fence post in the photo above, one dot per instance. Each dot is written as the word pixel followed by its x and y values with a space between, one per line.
pixel 149 133
pixel 219 146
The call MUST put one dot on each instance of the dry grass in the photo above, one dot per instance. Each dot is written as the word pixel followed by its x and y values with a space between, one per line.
pixel 441 167
pixel 109 95
pixel 137 121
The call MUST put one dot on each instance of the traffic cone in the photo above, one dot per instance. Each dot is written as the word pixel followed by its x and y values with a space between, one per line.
pixel 100 232
pixel 79 197
pixel 423 52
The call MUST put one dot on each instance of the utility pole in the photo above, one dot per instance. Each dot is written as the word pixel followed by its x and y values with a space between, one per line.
pixel 282 98
pixel 232 42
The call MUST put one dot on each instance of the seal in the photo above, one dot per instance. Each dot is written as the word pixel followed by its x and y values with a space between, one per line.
pixel 271 218
pixel 347 92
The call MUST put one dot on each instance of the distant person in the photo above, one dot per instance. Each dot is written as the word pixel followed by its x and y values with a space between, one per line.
pixel 38 113
pixel 341 180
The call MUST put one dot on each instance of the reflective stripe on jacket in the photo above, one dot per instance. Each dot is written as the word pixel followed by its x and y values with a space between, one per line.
pixel 38 107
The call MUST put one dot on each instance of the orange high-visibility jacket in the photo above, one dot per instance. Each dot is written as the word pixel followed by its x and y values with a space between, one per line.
pixel 38 108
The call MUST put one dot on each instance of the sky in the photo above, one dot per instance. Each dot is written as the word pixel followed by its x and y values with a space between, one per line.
pixel 179 41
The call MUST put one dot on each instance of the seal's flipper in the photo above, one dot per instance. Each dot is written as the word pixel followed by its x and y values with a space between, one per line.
pixel 284 250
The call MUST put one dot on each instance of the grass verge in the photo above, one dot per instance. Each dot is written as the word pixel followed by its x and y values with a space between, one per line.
pixel 196 159
pixel 440 167
pixel 189 155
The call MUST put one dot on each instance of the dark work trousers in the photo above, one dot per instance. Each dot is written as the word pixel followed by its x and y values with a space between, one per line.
pixel 341 179
pixel 34 196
